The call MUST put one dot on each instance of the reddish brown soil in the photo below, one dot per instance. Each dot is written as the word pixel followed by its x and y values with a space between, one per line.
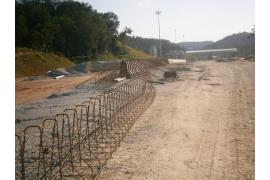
pixel 29 91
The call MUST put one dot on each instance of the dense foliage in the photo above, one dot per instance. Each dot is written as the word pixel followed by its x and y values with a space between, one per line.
pixel 145 45
pixel 65 27
pixel 74 29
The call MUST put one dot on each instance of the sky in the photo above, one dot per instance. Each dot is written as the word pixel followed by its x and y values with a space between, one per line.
pixel 181 20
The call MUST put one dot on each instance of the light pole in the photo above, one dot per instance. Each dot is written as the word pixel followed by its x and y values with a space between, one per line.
pixel 158 12
pixel 175 35
pixel 175 43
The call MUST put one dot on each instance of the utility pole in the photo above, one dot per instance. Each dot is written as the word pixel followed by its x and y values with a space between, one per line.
pixel 175 43
pixel 158 12
pixel 175 35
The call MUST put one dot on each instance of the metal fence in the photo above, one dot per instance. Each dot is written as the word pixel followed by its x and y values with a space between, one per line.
pixel 77 143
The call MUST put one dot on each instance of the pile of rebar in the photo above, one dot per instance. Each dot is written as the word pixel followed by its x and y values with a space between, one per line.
pixel 77 143
pixel 131 69
pixel 108 78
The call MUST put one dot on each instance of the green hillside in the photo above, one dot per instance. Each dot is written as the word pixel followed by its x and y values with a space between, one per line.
pixel 136 54
pixel 33 63
pixel 128 53
pixel 244 42
pixel 146 44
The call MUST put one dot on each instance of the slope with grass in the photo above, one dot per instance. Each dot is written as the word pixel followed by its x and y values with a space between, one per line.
pixel 128 54
pixel 33 63
pixel 136 54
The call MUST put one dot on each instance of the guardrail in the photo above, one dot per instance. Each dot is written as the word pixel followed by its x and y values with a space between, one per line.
pixel 77 143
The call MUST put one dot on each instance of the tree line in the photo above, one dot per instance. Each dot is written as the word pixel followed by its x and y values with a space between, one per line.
pixel 146 45
pixel 68 27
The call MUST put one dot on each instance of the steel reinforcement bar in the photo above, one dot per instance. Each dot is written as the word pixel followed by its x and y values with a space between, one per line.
pixel 77 143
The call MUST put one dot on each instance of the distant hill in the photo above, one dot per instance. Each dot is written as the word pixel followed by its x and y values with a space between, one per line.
pixel 244 42
pixel 33 63
pixel 195 45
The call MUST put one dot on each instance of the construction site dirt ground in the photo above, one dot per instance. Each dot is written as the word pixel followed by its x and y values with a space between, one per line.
pixel 29 91
pixel 199 128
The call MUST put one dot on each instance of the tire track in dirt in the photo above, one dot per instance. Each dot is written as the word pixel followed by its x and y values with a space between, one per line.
pixel 220 79
pixel 239 140
pixel 214 150
pixel 245 131
pixel 192 121
pixel 209 147
pixel 139 135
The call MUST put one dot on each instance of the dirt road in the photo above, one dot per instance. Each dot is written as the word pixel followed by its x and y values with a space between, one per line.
pixel 195 129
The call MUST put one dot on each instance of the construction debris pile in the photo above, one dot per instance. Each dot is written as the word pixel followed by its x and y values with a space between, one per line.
pixel 170 74
pixel 130 69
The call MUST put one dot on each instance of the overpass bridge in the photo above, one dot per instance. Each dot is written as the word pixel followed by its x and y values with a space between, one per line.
pixel 212 51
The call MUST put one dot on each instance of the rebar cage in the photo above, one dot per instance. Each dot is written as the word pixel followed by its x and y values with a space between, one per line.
pixel 77 143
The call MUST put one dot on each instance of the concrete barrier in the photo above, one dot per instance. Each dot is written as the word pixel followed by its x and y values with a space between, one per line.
pixel 177 61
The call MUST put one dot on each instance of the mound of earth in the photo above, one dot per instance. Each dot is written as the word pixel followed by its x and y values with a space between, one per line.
pixel 32 63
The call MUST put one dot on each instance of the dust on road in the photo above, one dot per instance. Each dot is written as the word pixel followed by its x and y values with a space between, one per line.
pixel 201 128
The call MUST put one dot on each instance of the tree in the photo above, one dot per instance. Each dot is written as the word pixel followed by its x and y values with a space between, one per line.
pixel 253 31
pixel 144 44
pixel 124 33
pixel 68 27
